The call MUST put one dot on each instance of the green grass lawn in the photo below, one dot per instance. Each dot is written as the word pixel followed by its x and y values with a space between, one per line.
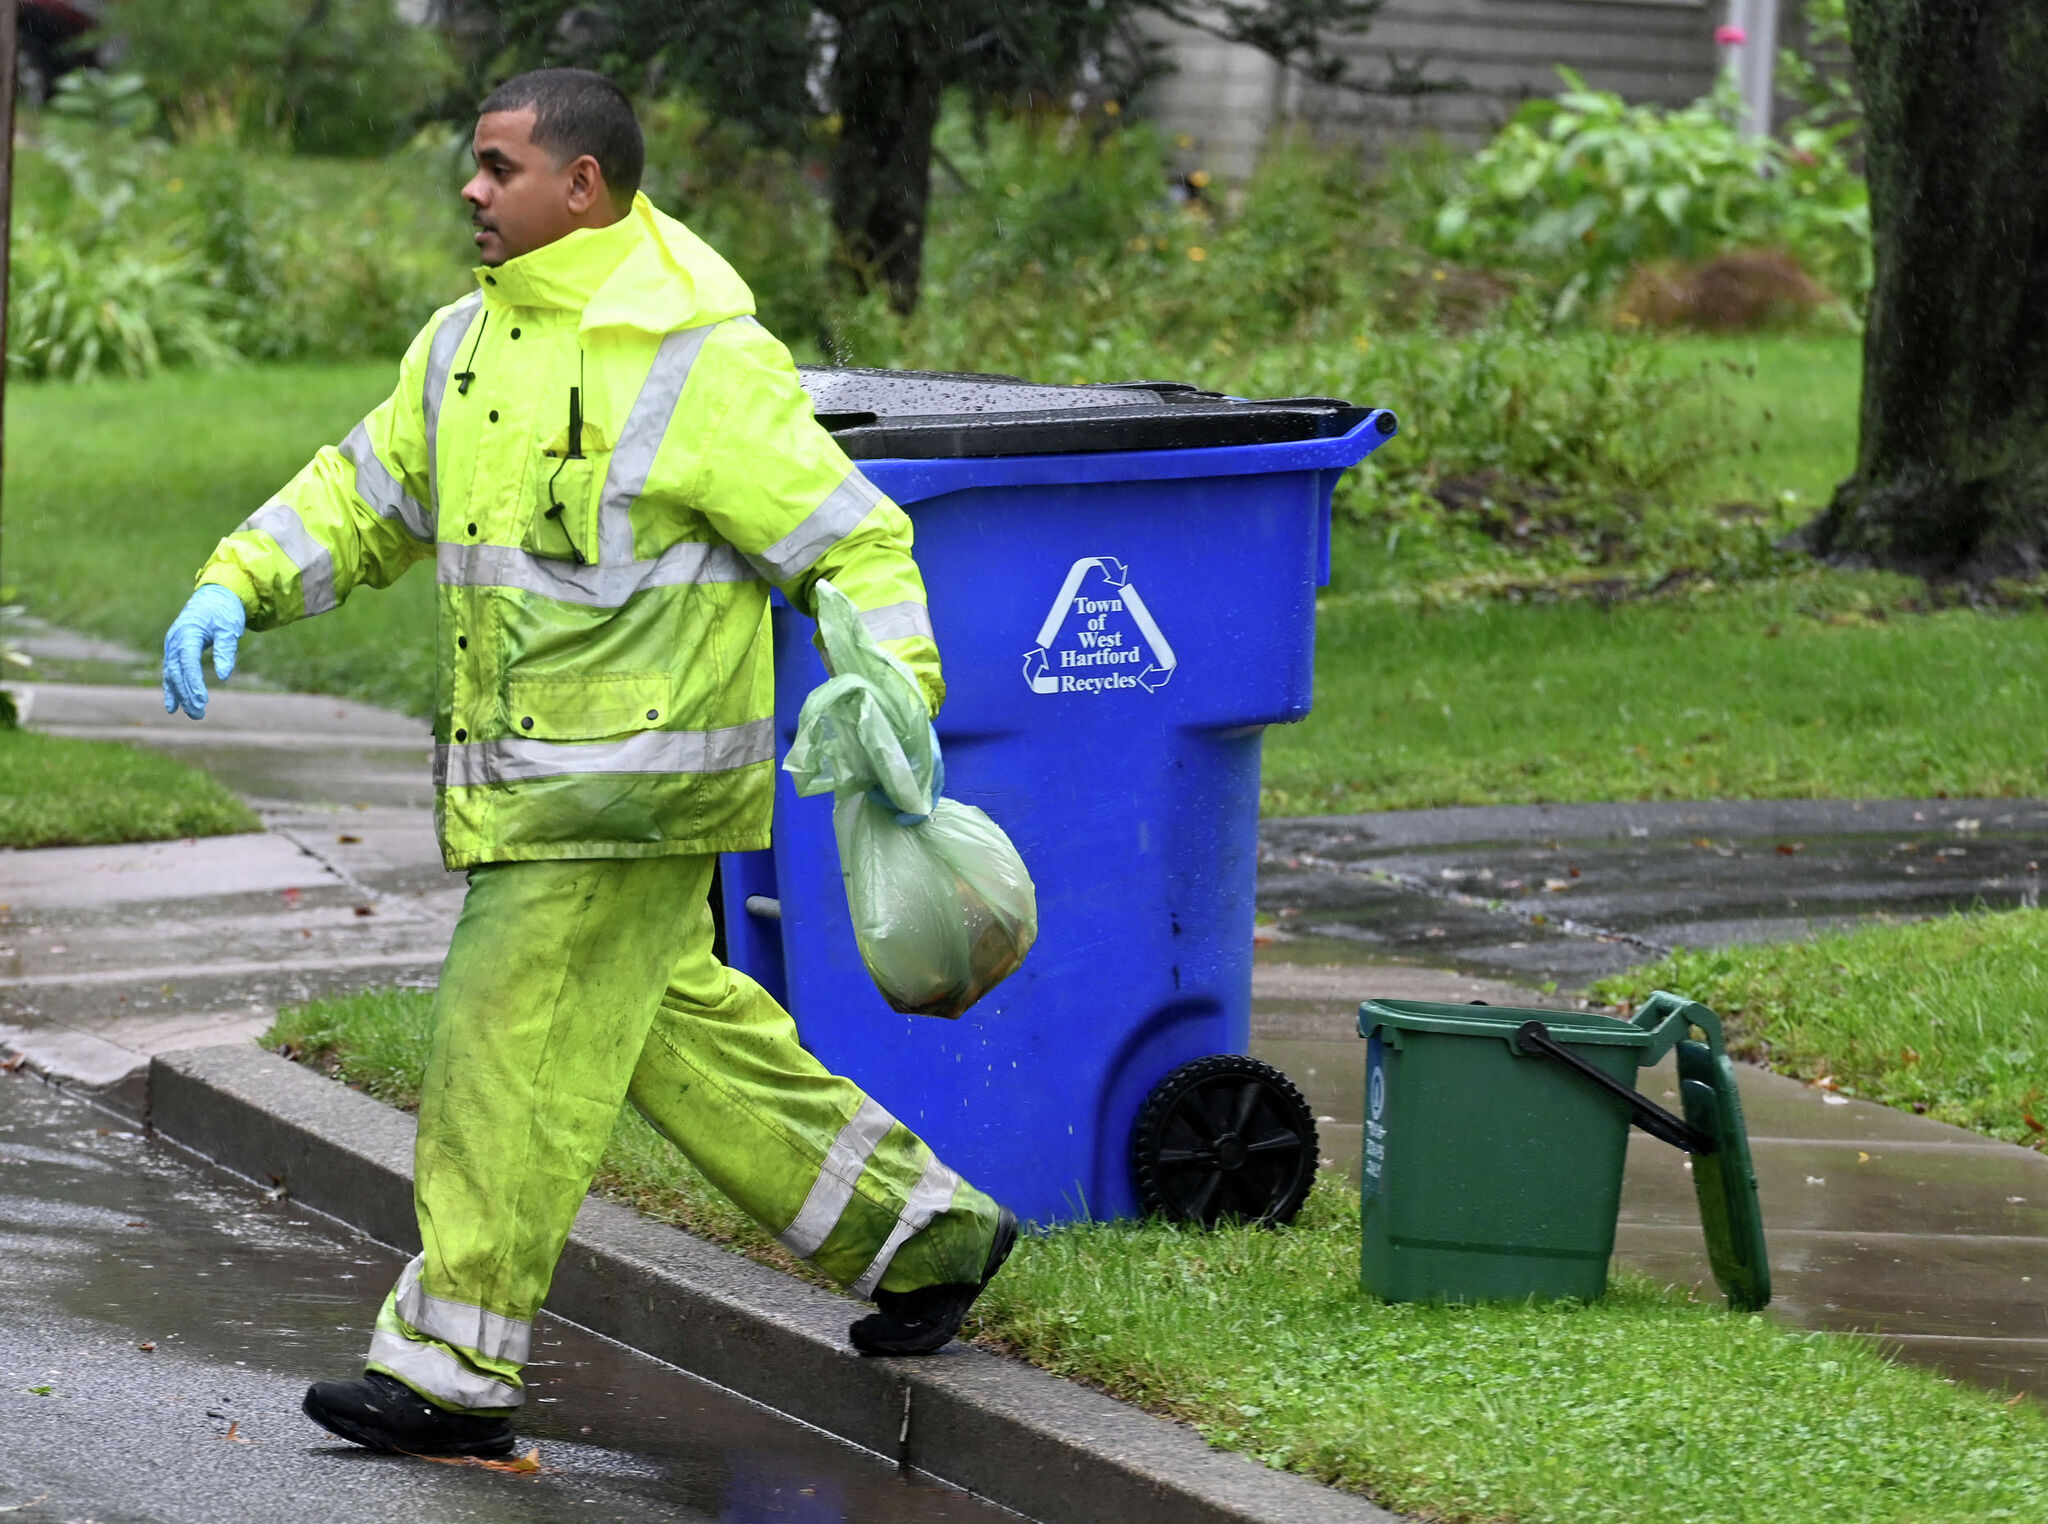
pixel 1645 1407
pixel 1809 686
pixel 1791 401
pixel 56 792
pixel 1941 1017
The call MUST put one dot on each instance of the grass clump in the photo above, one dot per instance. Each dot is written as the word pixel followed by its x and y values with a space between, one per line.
pixel 1940 1017
pixel 1645 1407
pixel 57 792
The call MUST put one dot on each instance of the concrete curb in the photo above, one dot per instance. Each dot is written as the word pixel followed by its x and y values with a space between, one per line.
pixel 1050 1449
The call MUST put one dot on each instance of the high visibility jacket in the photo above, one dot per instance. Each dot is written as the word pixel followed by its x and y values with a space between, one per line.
pixel 610 464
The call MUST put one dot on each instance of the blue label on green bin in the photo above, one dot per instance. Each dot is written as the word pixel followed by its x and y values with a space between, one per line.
pixel 1099 636
pixel 1375 1114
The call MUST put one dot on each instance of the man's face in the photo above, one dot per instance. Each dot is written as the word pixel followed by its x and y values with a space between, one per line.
pixel 519 198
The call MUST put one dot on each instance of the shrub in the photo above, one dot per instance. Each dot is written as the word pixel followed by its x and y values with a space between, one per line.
pixel 79 311
pixel 132 253
pixel 341 76
pixel 1586 186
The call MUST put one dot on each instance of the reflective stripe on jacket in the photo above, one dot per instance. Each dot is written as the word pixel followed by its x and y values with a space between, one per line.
pixel 605 678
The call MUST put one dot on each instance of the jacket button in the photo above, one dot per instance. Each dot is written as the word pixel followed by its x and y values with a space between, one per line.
pixel 462 642
pixel 462 735
pixel 515 333
pixel 490 280
pixel 494 415
pixel 654 714
pixel 527 723
pixel 472 531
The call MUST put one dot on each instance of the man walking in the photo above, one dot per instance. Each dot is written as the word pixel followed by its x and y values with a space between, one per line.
pixel 609 463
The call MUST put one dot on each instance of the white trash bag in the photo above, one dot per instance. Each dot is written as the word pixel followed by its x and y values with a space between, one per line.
pixel 944 911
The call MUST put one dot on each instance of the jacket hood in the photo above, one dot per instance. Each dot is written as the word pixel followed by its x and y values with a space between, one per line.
pixel 645 271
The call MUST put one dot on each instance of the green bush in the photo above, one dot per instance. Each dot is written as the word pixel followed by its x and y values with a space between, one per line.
pixel 1586 186
pixel 335 77
pixel 1305 283
pixel 80 311
pixel 97 286
pixel 132 253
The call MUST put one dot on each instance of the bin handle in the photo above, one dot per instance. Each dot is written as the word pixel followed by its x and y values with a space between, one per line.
pixel 1533 1038
pixel 1667 1017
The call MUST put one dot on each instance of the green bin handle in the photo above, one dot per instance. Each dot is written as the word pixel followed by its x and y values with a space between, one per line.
pixel 1667 1018
pixel 1724 1181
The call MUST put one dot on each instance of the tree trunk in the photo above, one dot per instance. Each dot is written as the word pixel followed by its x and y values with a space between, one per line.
pixel 887 81
pixel 1952 468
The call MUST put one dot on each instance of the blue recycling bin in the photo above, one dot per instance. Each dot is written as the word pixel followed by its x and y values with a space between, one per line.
pixel 1122 584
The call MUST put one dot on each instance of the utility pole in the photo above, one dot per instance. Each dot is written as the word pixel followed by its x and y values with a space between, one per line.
pixel 1751 39
pixel 10 77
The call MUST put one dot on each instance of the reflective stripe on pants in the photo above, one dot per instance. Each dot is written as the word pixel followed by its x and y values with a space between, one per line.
pixel 571 986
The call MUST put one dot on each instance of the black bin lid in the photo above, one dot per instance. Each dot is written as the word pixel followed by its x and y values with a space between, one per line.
pixel 932 415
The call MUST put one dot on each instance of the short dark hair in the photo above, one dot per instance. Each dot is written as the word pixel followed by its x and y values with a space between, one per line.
pixel 577 112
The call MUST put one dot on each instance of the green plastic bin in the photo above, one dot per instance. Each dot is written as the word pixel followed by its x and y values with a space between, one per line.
pixel 1495 1139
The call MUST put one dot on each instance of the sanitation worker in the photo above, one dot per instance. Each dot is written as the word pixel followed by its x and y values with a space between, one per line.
pixel 608 463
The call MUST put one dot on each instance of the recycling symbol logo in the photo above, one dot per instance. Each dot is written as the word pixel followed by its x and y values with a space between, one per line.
pixel 1099 636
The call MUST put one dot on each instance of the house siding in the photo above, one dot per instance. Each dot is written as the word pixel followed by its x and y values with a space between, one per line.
pixel 1225 99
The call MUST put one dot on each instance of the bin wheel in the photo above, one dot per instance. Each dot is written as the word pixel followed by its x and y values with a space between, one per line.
pixel 1224 1138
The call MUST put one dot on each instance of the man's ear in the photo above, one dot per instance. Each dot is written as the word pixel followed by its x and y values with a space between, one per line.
pixel 586 185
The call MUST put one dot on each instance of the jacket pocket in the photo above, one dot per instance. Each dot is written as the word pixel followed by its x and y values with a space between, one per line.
pixel 585 708
pixel 563 524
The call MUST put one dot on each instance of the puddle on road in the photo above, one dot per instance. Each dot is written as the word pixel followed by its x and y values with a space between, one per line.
pixel 109 1242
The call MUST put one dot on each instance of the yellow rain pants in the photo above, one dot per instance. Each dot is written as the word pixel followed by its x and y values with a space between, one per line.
pixel 572 986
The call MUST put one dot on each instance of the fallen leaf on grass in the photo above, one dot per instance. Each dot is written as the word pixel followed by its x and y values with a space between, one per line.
pixel 2032 1124
pixel 520 1465
pixel 1791 848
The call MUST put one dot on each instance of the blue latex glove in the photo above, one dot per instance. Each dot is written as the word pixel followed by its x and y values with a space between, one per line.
pixel 907 817
pixel 213 616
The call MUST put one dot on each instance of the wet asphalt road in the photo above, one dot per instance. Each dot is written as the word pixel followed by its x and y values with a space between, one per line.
pixel 1573 892
pixel 163 1321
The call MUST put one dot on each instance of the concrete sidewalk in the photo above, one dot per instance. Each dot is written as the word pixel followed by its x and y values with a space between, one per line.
pixel 109 955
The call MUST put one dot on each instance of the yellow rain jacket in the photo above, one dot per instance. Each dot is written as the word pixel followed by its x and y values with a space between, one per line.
pixel 610 464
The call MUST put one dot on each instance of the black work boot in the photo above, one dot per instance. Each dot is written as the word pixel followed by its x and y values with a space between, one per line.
pixel 384 1414
pixel 921 1321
